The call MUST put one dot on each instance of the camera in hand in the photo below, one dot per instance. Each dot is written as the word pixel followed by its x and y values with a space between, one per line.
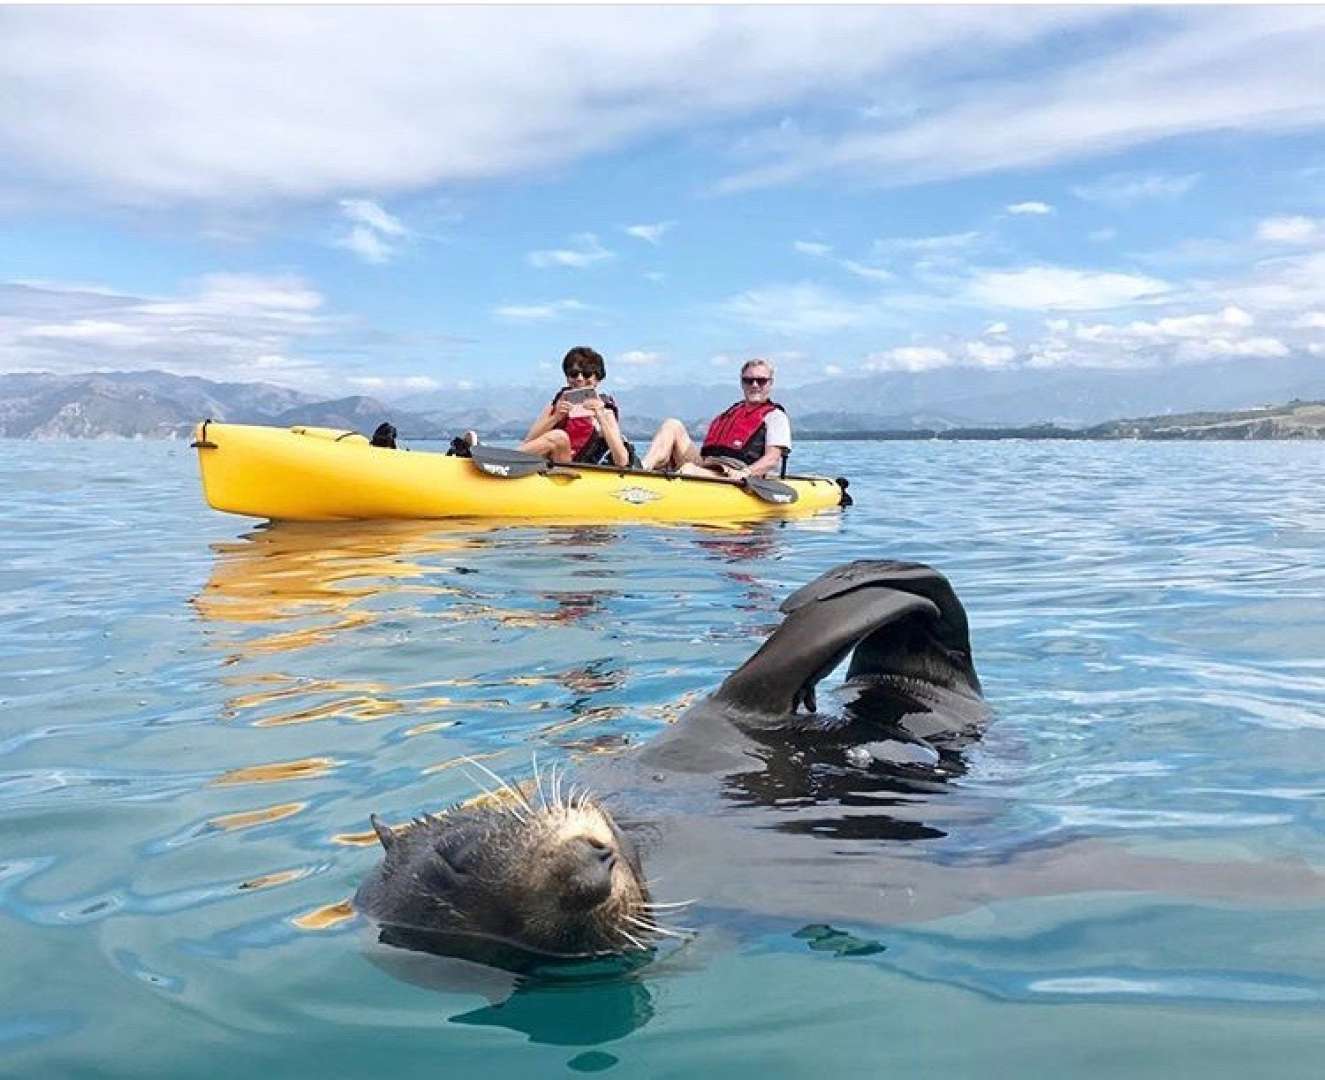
pixel 579 395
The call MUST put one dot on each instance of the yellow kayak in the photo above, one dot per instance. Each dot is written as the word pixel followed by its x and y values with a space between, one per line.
pixel 321 474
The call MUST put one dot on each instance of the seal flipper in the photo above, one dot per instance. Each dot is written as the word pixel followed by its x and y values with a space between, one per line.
pixel 813 639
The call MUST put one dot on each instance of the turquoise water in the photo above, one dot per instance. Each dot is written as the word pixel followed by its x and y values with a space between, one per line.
pixel 197 716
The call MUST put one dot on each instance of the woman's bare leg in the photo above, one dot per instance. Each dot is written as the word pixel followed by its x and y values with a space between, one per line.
pixel 553 445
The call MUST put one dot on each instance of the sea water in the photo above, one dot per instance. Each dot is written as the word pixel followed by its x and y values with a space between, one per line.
pixel 199 712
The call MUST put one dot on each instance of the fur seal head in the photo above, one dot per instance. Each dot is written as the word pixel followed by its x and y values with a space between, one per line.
pixel 555 880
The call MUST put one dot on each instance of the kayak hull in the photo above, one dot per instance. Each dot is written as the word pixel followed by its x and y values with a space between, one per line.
pixel 319 474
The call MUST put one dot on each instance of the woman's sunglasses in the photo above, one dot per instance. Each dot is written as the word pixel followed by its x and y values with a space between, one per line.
pixel 580 373
pixel 755 380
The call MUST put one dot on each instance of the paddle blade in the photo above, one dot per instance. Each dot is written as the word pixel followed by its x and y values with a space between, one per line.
pixel 771 491
pixel 506 464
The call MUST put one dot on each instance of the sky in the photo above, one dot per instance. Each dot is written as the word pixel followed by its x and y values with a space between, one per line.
pixel 404 200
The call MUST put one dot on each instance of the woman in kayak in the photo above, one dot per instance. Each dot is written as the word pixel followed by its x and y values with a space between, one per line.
pixel 579 423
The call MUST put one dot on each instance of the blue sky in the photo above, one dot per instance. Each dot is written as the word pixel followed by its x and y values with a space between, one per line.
pixel 400 201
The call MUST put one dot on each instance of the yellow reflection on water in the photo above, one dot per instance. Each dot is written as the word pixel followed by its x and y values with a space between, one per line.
pixel 357 708
pixel 355 839
pixel 274 773
pixel 246 819
pixel 430 727
pixel 325 917
pixel 598 714
pixel 270 881
pixel 290 687
pixel 294 571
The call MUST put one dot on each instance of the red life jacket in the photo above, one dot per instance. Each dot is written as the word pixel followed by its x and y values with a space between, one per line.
pixel 739 432
pixel 585 438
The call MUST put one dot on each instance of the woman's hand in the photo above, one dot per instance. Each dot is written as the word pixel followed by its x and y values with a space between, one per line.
pixel 562 409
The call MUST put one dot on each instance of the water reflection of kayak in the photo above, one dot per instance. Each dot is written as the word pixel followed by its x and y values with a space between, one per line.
pixel 320 474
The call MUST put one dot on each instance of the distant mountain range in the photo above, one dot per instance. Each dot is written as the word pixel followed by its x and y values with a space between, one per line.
pixel 154 404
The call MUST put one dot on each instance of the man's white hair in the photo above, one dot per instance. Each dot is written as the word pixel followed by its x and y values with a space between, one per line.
pixel 758 363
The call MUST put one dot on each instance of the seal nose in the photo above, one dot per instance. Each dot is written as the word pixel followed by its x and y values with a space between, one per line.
pixel 588 876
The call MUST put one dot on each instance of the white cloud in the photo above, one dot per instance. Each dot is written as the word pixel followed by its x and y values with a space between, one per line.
pixel 1030 208
pixel 1263 348
pixel 1204 70
pixel 586 252
pixel 833 370
pixel 1124 189
pixel 470 96
pixel 369 213
pixel 81 330
pixel 1287 283
pixel 641 358
pixel 1290 230
pixel 394 383
pixel 927 245
pixel 1060 288
pixel 908 358
pixel 226 326
pixel 859 269
pixel 651 234
pixel 548 310
pixel 803 308
pixel 1312 320
pixel 365 243
pixel 807 247
pixel 996 328
pixel 1173 328
pixel 291 103
pixel 1186 338
pixel 1099 236
pixel 870 273
pixel 982 354
pixel 374 233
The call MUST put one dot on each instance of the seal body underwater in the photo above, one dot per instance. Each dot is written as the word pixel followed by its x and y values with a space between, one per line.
pixel 767 812
pixel 563 876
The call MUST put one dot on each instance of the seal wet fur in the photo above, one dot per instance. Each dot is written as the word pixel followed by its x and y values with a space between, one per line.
pixel 564 879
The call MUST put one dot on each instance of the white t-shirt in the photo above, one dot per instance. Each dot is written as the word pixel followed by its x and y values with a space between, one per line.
pixel 777 429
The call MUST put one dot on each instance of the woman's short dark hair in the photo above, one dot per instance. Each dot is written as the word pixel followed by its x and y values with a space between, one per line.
pixel 587 359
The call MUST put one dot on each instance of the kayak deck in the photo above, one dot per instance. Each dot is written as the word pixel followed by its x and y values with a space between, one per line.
pixel 321 474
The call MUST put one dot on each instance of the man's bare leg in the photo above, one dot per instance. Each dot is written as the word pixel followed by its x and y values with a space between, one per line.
pixel 671 446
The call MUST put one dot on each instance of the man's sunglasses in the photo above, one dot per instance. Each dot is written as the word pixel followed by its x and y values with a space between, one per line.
pixel 580 373
pixel 755 380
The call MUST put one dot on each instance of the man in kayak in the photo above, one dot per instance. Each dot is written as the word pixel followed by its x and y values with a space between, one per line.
pixel 749 439
pixel 579 424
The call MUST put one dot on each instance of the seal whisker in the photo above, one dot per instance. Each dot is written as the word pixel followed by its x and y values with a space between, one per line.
pixel 504 785
pixel 660 905
pixel 493 796
pixel 538 780
pixel 632 939
pixel 557 778
pixel 679 932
